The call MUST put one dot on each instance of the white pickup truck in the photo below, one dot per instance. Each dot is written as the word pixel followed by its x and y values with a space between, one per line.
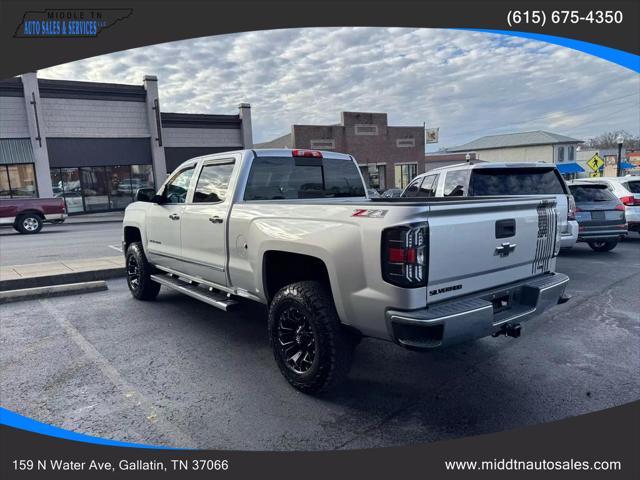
pixel 294 229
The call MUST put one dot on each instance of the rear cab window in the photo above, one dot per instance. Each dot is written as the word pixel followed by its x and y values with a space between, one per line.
pixel 591 193
pixel 516 181
pixel 284 178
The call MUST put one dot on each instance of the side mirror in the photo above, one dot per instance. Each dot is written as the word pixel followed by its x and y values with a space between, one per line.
pixel 145 195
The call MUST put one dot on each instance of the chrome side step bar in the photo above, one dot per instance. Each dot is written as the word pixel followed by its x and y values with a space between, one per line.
pixel 215 299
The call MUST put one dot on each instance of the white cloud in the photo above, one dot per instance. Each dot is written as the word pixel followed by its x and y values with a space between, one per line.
pixel 467 83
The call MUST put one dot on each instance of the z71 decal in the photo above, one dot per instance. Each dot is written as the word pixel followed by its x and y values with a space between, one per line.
pixel 365 212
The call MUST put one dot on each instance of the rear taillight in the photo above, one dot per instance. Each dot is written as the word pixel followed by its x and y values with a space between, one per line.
pixel 620 207
pixel 629 201
pixel 571 214
pixel 404 255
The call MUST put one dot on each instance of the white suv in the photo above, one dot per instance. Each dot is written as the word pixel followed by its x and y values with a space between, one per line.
pixel 627 189
pixel 501 179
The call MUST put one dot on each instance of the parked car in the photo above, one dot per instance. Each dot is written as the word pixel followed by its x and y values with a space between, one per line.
pixel 600 215
pixel 27 215
pixel 500 179
pixel 333 265
pixel 392 193
pixel 627 189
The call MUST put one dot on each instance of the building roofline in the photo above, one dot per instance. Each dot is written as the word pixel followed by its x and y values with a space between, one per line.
pixel 199 120
pixel 90 90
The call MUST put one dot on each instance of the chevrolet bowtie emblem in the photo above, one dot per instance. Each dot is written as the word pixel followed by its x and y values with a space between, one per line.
pixel 505 249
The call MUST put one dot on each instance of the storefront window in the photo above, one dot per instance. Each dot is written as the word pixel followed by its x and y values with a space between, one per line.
pixel 142 175
pixel 18 180
pixel 99 189
pixel 122 187
pixel 5 188
pixel 71 190
pixel 94 188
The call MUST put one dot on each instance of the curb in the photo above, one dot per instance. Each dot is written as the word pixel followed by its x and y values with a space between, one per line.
pixel 51 291
pixel 83 222
pixel 61 279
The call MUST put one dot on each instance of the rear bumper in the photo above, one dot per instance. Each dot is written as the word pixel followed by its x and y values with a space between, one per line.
pixel 475 316
pixel 608 232
pixel 569 238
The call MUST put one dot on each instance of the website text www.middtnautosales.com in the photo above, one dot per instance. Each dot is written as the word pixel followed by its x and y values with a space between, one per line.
pixel 513 464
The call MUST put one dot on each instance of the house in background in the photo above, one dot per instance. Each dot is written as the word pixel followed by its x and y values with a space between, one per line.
pixel 535 146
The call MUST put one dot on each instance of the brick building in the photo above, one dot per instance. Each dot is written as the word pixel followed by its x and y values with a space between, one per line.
pixel 95 144
pixel 389 156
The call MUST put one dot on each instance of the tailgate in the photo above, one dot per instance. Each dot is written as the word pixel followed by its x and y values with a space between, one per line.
pixel 480 245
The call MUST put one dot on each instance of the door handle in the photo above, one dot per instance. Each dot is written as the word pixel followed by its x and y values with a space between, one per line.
pixel 174 216
pixel 215 219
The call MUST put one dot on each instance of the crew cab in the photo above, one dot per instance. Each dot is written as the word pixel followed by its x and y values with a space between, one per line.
pixel 493 178
pixel 295 230
pixel 28 215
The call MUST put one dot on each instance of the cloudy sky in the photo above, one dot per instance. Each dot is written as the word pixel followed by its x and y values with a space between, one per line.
pixel 469 84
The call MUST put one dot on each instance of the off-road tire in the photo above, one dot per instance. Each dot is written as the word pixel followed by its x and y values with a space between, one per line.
pixel 139 274
pixel 603 246
pixel 333 350
pixel 29 223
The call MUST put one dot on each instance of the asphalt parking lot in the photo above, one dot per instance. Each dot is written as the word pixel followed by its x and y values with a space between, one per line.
pixel 178 372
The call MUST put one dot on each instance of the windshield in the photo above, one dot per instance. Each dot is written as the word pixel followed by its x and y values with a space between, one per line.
pixel 515 181
pixel 282 178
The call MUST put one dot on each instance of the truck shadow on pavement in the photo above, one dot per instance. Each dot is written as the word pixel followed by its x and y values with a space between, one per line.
pixel 405 396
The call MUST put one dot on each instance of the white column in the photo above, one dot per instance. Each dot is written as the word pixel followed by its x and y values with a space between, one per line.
pixel 35 120
pixel 245 116
pixel 155 129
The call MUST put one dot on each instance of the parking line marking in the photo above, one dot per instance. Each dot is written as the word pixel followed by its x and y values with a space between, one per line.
pixel 115 248
pixel 128 391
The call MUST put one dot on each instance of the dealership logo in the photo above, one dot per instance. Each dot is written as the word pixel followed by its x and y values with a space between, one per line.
pixel 68 23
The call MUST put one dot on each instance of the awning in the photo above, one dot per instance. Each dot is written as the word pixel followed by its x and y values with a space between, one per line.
pixel 627 166
pixel 16 150
pixel 569 168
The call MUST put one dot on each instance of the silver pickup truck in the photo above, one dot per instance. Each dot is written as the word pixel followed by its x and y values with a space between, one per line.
pixel 294 229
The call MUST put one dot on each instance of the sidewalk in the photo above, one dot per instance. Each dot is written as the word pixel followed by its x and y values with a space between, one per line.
pixel 56 273
pixel 103 217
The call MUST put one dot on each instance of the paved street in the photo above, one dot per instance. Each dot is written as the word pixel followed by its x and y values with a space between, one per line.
pixel 60 242
pixel 178 372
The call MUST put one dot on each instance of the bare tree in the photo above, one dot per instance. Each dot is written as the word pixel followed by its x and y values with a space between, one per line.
pixel 609 140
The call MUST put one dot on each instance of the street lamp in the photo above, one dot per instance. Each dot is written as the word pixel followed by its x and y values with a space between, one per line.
pixel 619 141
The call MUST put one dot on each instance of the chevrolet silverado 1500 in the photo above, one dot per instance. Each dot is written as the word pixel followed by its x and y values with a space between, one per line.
pixel 294 229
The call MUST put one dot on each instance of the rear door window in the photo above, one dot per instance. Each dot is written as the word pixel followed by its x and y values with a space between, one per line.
pixel 591 193
pixel 515 181
pixel 455 183
pixel 282 178
pixel 213 183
